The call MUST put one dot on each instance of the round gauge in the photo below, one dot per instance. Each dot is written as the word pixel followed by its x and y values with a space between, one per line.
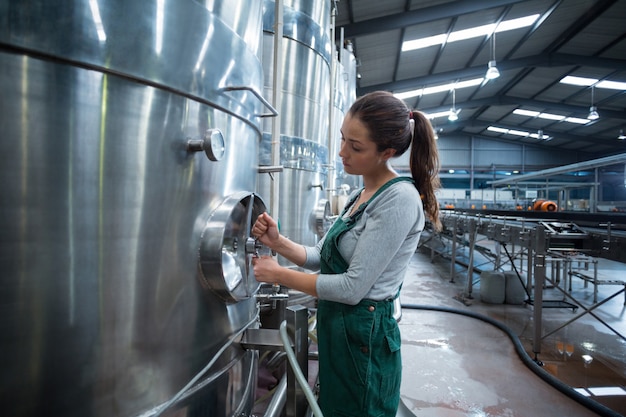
pixel 214 144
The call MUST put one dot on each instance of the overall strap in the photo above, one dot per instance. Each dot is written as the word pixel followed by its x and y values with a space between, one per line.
pixel 354 217
pixel 331 261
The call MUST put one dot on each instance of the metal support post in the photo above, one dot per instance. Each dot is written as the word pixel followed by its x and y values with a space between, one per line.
pixel 529 260
pixel 539 272
pixel 470 266
pixel 498 262
pixel 453 253
pixel 297 328
pixel 269 339
pixel 513 252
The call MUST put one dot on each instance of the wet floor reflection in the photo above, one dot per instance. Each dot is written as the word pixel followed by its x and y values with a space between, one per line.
pixel 454 365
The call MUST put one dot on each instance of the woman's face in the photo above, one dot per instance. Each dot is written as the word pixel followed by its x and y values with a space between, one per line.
pixel 358 152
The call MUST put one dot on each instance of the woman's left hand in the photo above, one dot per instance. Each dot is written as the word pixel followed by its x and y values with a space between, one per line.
pixel 266 269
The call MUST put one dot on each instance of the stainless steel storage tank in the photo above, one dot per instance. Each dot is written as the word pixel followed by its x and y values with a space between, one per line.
pixel 344 94
pixel 124 251
pixel 304 113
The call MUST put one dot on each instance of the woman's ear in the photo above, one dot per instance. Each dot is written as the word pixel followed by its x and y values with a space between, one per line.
pixel 388 153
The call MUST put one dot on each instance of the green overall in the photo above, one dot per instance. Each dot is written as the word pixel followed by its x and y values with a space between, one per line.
pixel 359 346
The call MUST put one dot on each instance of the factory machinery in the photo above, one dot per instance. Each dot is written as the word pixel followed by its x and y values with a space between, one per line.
pixel 139 142
pixel 541 248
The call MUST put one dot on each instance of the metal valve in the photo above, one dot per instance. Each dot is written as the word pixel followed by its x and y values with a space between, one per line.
pixel 253 246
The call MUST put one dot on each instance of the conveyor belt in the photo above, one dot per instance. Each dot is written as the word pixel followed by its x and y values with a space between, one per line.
pixel 596 234
pixel 582 219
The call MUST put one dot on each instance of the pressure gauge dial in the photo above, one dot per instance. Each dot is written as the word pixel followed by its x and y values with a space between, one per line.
pixel 215 146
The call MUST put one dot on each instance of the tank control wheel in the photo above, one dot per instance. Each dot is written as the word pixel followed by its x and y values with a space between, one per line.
pixel 226 248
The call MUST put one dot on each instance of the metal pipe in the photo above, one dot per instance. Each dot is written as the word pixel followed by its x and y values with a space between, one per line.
pixel 276 101
pixel 330 179
pixel 304 384
pixel 277 403
pixel 199 375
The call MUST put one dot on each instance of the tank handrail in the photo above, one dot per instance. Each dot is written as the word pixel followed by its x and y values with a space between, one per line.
pixel 195 379
pixel 273 112
pixel 134 78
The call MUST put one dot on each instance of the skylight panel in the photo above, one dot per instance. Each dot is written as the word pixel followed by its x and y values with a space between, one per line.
pixel 612 85
pixel 518 132
pixel 550 116
pixel 409 94
pixel 439 88
pixel 577 120
pixel 518 23
pixel 423 42
pixel 467 83
pixel 437 114
pixel 436 89
pixel 528 113
pixel 580 81
pixel 588 82
pixel 539 135
pixel 461 35
pixel 469 33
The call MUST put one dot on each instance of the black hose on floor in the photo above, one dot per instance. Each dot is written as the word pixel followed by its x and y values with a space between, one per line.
pixel 526 359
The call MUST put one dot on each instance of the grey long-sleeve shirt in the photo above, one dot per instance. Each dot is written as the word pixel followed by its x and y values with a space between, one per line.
pixel 378 248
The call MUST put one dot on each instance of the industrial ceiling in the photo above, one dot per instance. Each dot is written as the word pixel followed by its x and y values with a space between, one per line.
pixel 584 40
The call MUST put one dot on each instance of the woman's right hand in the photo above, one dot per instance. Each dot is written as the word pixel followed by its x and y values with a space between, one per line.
pixel 265 229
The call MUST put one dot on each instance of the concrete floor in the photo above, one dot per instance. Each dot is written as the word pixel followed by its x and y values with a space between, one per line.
pixel 457 365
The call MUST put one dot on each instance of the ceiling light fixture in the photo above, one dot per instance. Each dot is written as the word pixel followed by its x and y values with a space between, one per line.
pixel 593 110
pixel 492 70
pixel 621 135
pixel 454 113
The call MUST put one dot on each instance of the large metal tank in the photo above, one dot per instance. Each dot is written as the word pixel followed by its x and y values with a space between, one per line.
pixel 305 93
pixel 344 94
pixel 129 143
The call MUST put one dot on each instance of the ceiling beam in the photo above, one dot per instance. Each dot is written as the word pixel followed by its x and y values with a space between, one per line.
pixel 417 16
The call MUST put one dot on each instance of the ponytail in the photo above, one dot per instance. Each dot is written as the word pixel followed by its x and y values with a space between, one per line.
pixel 424 163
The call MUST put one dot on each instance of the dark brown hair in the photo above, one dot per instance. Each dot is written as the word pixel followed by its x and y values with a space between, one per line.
pixel 388 120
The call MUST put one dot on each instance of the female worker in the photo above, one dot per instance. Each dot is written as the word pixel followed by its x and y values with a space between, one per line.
pixel 363 258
